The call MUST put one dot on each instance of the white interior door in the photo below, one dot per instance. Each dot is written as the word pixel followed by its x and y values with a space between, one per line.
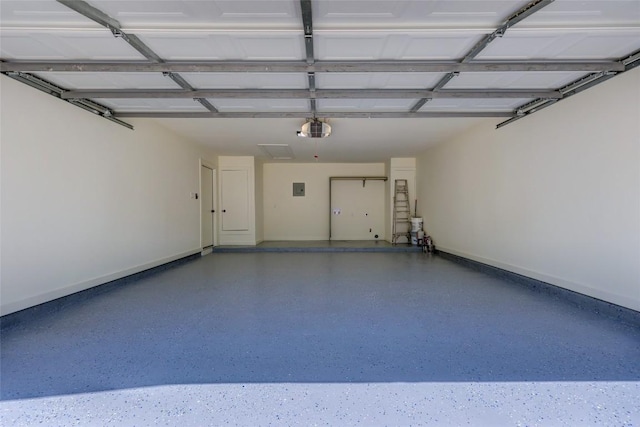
pixel 207 206
pixel 357 211
pixel 214 198
pixel 235 199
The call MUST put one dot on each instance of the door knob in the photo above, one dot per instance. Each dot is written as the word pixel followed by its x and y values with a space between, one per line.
pixel 213 211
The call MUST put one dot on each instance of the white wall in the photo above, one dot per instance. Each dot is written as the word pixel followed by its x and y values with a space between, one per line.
pixel 84 200
pixel 554 196
pixel 304 218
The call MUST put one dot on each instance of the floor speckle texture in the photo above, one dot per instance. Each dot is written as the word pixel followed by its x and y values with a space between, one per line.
pixel 321 339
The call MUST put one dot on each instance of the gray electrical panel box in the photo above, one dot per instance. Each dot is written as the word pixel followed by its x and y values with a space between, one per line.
pixel 298 189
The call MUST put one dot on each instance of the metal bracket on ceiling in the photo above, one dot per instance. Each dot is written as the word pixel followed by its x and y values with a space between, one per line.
pixel 529 9
pixel 206 104
pixel 98 16
pixel 307 25
pixel 37 82
pixel 521 14
pixel 311 77
pixel 446 79
pixel 631 61
pixel 305 115
pixel 402 66
pixel 532 106
pixel 57 91
pixel 572 88
pixel 311 66
pixel 117 32
pixel 180 81
pixel 575 87
pixel 582 82
pixel 114 26
pixel 418 105
pixel 443 81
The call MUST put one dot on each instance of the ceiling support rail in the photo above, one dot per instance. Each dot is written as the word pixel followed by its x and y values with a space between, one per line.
pixel 404 66
pixel 631 61
pixel 307 25
pixel 573 88
pixel 114 26
pixel 418 105
pixel 317 94
pixel 180 81
pixel 628 62
pixel 523 13
pixel 57 91
pixel 528 10
pixel 96 15
pixel 305 115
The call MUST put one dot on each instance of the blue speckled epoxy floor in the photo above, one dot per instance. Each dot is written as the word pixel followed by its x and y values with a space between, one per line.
pixel 321 338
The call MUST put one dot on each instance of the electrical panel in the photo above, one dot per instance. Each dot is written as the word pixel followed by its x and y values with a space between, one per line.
pixel 298 189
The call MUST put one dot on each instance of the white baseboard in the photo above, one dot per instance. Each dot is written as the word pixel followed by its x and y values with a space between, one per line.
pixel 81 286
pixel 296 238
pixel 310 238
pixel 628 302
pixel 232 239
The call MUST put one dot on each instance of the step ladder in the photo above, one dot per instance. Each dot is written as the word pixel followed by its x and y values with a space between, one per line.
pixel 401 212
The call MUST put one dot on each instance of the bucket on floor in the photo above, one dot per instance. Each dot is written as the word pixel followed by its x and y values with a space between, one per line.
pixel 416 224
pixel 414 237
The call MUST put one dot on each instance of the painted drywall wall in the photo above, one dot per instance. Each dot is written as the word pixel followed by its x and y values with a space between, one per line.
pixel 304 218
pixel 84 200
pixel 554 196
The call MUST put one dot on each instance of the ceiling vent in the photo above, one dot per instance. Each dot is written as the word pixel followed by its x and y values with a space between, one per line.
pixel 315 129
pixel 277 151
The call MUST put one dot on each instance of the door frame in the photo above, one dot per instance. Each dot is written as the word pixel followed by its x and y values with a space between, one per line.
pixel 214 203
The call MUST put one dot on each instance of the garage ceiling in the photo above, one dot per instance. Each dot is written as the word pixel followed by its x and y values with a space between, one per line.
pixel 391 77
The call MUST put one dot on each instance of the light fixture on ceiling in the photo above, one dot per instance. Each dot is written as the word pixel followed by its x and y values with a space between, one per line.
pixel 314 128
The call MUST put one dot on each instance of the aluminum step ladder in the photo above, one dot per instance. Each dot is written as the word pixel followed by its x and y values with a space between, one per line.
pixel 401 211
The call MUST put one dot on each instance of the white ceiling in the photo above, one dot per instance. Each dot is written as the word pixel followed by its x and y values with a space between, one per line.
pixel 352 140
pixel 343 30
